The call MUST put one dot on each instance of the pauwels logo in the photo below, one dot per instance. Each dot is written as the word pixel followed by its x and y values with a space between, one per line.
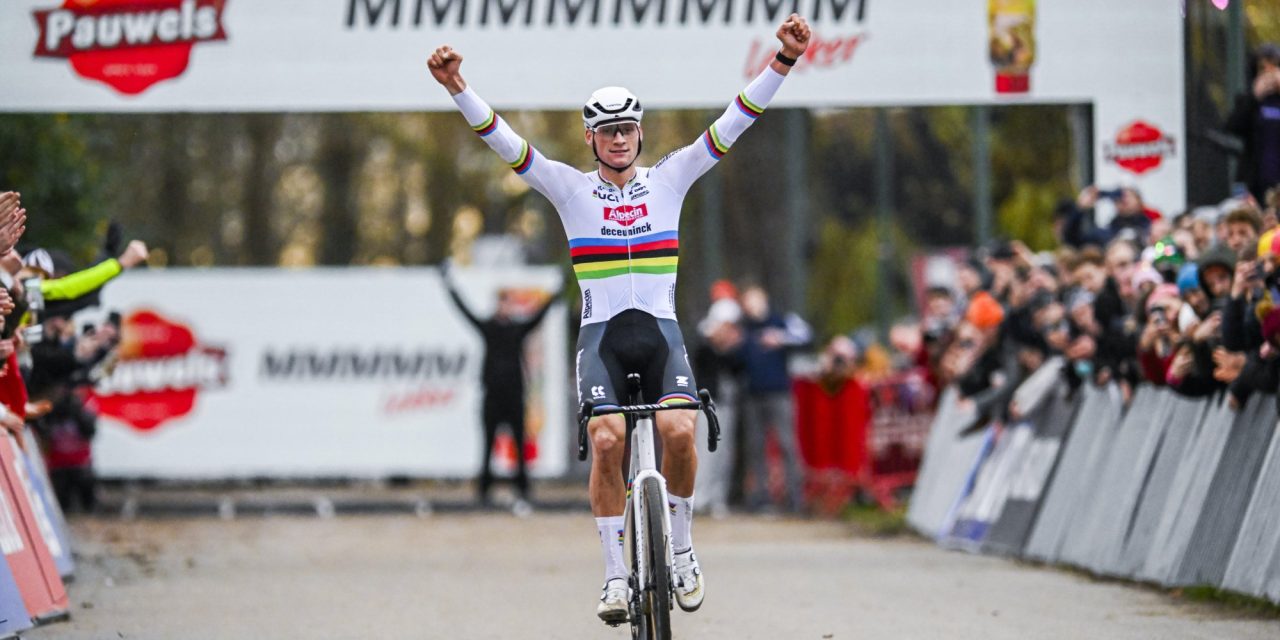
pixel 128 44
pixel 162 368
pixel 626 215
pixel 1140 147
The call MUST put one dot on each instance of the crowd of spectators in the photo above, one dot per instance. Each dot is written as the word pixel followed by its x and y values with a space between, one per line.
pixel 1190 302
pixel 47 363
pixel 742 355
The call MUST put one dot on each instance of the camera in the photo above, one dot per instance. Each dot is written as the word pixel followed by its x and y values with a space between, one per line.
pixel 35 305
pixel 1110 194
pixel 35 297
pixel 33 334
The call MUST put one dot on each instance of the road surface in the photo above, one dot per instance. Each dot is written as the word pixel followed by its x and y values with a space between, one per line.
pixel 493 575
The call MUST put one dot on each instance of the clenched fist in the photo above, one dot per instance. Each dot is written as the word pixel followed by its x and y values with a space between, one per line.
pixel 134 254
pixel 444 64
pixel 794 35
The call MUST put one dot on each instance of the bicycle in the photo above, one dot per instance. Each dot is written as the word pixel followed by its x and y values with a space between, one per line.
pixel 648 530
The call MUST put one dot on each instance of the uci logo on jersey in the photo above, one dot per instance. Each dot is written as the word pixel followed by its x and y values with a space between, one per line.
pixel 626 215
pixel 607 196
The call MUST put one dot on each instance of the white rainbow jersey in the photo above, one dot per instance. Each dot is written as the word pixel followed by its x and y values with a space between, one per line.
pixel 624 242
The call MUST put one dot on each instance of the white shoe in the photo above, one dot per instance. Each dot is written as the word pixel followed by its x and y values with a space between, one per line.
pixel 689 586
pixel 613 602
pixel 521 508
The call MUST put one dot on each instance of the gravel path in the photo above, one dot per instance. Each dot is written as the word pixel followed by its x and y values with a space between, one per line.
pixel 497 576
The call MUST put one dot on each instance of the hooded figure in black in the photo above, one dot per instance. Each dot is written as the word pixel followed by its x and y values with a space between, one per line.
pixel 503 378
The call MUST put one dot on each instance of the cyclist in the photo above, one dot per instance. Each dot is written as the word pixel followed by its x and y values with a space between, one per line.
pixel 622 222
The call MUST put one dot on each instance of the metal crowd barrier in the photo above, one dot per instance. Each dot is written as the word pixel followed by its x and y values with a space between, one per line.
pixel 1170 490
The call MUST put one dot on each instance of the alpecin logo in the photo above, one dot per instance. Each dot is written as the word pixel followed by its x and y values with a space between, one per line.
pixel 162 368
pixel 129 45
pixel 626 215
pixel 1140 147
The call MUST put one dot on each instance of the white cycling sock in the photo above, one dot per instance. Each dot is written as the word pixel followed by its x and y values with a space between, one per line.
pixel 612 531
pixel 681 523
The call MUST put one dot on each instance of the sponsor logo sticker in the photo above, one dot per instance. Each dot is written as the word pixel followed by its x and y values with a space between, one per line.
pixel 626 215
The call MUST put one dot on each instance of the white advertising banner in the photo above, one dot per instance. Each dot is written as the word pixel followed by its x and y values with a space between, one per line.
pixel 327 372
pixel 356 55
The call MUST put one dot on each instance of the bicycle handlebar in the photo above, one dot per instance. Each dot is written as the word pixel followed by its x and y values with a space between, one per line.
pixel 644 408
pixel 705 404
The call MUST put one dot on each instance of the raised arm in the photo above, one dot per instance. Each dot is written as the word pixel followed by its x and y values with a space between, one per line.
pixel 682 167
pixel 555 180
pixel 457 299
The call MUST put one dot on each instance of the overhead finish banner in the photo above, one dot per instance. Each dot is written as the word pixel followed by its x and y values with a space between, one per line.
pixel 358 55
pixel 328 372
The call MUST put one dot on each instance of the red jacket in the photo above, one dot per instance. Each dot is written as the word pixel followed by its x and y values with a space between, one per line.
pixel 13 391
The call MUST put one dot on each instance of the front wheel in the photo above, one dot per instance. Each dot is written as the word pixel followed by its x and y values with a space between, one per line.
pixel 657 594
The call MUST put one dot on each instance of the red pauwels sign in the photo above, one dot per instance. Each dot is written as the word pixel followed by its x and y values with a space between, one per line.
pixel 128 44
pixel 1140 147
pixel 161 369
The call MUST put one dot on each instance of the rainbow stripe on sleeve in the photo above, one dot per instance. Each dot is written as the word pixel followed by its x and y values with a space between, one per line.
pixel 525 159
pixel 715 147
pixel 489 125
pixel 595 258
pixel 747 107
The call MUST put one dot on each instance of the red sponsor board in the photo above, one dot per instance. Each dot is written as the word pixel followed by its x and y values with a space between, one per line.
pixel 162 368
pixel 128 44
pixel 1140 147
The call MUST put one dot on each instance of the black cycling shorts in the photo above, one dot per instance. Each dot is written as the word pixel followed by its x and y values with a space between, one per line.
pixel 633 342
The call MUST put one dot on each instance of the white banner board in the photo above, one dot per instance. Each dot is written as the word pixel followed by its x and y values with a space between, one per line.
pixel 355 372
pixel 1125 58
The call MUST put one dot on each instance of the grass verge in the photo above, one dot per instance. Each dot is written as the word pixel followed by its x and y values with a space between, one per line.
pixel 873 521
pixel 1234 601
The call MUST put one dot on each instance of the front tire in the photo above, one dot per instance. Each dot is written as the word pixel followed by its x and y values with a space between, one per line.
pixel 657 594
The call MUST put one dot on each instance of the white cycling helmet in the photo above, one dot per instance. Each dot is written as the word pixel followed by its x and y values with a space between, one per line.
pixel 611 104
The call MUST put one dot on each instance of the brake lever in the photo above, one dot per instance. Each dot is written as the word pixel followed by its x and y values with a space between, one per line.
pixel 713 423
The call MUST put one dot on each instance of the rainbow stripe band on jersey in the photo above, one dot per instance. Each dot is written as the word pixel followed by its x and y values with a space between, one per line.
pixel 525 160
pixel 489 125
pixel 715 147
pixel 595 258
pixel 748 108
